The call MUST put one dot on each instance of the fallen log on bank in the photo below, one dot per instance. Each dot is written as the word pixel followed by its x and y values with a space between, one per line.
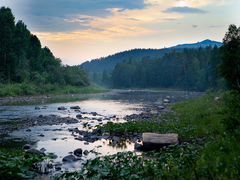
pixel 153 141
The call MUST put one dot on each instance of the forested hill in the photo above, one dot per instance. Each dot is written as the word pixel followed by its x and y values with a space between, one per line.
pixel 108 63
pixel 190 69
pixel 24 60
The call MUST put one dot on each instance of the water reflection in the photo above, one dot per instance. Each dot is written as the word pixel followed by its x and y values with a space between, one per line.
pixel 111 107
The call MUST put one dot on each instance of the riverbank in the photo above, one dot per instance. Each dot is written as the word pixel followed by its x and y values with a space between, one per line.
pixel 10 96
pixel 207 150
pixel 28 89
pixel 204 144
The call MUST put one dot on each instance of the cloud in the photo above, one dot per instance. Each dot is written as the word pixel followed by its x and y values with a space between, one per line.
pixel 93 35
pixel 84 25
pixel 120 22
pixel 182 3
pixel 61 8
pixel 185 10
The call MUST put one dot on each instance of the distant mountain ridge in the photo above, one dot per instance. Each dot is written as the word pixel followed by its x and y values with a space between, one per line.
pixel 202 44
pixel 108 63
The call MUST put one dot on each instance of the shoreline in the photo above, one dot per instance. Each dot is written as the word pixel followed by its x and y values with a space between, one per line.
pixel 44 99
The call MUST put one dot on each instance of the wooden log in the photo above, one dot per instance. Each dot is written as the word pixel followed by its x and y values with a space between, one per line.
pixel 153 141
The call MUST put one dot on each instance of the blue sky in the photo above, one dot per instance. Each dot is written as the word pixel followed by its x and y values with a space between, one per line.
pixel 80 30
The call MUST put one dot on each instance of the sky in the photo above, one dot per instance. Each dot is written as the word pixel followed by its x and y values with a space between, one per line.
pixel 81 30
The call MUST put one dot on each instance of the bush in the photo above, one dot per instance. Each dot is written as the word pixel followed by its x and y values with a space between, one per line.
pixel 231 58
pixel 232 111
pixel 14 165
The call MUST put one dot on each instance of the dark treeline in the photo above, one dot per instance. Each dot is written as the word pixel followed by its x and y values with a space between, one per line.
pixel 22 58
pixel 191 69
pixel 108 63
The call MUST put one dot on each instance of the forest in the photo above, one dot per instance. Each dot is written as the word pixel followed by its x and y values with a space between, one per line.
pixel 187 69
pixel 24 60
pixel 185 66
pixel 190 69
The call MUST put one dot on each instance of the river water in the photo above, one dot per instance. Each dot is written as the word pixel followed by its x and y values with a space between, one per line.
pixel 113 106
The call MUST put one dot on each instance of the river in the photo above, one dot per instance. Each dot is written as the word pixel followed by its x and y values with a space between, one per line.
pixel 96 110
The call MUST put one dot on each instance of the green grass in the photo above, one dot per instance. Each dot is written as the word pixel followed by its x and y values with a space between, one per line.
pixel 208 149
pixel 14 90
pixel 192 119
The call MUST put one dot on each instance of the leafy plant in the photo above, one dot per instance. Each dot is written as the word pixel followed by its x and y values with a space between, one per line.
pixel 14 164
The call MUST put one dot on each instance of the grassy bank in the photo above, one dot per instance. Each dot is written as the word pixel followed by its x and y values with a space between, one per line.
pixel 208 149
pixel 14 90
pixel 191 119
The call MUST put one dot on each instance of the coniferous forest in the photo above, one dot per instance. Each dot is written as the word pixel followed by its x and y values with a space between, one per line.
pixel 190 69
pixel 24 60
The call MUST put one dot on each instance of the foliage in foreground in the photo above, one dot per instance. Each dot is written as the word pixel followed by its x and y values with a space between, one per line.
pixel 171 162
pixel 15 165
pixel 212 151
pixel 215 160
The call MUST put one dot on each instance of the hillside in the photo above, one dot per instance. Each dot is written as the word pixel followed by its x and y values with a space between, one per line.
pixel 108 63
pixel 26 67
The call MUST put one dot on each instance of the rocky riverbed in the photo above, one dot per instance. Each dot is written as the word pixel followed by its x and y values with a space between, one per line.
pixel 67 132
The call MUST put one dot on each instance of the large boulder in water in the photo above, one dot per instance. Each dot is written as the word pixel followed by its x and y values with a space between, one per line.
pixel 153 141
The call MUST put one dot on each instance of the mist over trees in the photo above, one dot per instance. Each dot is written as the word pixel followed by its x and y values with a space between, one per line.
pixel 22 58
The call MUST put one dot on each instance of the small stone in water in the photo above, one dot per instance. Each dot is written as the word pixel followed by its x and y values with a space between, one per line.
pixel 94 113
pixel 86 143
pixel 75 107
pixel 27 147
pixel 58 168
pixel 85 152
pixel 78 152
pixel 37 108
pixel 62 108
pixel 43 149
pixel 79 116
